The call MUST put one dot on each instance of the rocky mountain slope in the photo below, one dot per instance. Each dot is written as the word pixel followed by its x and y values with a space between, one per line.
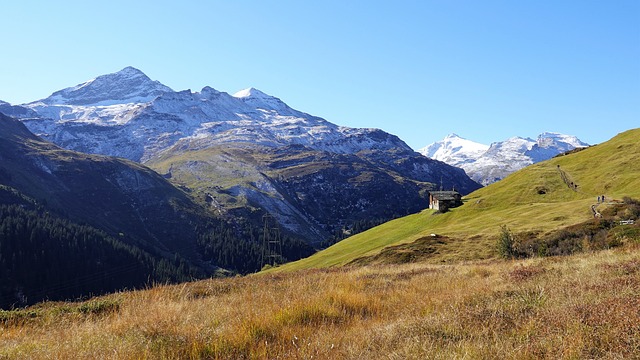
pixel 116 195
pixel 73 224
pixel 244 152
pixel 488 164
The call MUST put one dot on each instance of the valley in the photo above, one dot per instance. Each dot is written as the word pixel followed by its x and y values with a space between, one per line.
pixel 275 180
pixel 178 184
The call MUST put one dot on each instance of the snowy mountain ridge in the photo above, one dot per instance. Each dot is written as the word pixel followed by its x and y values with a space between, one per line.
pixel 126 114
pixel 489 163
pixel 125 86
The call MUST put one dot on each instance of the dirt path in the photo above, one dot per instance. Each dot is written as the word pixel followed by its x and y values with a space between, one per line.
pixel 568 180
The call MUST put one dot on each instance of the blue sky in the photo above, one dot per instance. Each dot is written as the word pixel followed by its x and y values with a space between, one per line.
pixel 486 70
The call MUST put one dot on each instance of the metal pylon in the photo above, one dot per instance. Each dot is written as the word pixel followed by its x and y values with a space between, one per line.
pixel 271 241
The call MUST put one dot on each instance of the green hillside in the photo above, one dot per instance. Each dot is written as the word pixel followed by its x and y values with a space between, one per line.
pixel 536 199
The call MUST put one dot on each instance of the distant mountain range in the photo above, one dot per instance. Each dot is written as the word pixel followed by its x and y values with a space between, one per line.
pixel 244 155
pixel 489 163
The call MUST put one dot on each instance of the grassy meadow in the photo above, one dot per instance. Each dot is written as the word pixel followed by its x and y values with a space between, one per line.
pixel 581 306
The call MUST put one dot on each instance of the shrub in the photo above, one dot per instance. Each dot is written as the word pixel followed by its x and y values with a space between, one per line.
pixel 596 234
pixel 99 307
pixel 620 234
pixel 506 242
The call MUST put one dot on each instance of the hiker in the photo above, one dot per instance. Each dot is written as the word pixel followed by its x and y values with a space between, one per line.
pixel 598 199
pixel 603 198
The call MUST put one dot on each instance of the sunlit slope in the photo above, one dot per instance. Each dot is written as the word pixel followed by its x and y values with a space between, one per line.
pixel 533 199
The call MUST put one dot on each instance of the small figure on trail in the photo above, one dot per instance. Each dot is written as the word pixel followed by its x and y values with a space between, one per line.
pixel 598 199
pixel 602 198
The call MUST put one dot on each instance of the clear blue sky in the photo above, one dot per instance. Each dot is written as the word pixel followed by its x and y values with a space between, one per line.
pixel 486 70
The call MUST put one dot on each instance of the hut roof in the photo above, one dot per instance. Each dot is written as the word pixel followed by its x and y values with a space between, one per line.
pixel 445 195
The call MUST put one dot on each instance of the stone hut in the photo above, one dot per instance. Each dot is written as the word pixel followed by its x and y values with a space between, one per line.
pixel 444 200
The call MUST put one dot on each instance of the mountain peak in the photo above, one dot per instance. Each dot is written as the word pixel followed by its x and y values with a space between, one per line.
pixel 454 149
pixel 131 71
pixel 549 134
pixel 126 85
pixel 209 90
pixel 252 93
pixel 559 138
pixel 261 101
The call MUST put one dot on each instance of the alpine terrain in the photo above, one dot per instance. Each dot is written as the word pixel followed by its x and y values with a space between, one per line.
pixel 426 286
pixel 246 154
pixel 487 164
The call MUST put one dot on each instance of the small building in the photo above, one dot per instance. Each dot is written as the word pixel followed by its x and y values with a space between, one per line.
pixel 444 200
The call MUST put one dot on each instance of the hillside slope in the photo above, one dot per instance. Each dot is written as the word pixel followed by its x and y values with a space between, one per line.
pixel 116 195
pixel 73 224
pixel 535 199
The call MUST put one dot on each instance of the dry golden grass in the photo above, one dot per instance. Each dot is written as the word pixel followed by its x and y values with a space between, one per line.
pixel 583 306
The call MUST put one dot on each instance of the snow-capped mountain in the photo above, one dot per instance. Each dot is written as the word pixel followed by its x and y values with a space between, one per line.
pixel 126 114
pixel 488 164
pixel 454 150
pixel 244 151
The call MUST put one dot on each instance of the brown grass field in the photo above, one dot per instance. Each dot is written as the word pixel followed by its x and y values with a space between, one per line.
pixel 576 307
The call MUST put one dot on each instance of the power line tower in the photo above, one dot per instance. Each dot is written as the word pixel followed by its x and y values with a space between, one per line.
pixel 271 241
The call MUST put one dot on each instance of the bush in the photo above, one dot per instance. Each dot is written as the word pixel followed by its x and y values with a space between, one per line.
pixel 621 234
pixel 506 242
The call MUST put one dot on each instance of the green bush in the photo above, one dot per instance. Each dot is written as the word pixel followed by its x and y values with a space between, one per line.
pixel 506 243
pixel 621 234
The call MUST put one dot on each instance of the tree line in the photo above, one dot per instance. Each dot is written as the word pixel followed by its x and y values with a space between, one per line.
pixel 47 257
pixel 44 257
